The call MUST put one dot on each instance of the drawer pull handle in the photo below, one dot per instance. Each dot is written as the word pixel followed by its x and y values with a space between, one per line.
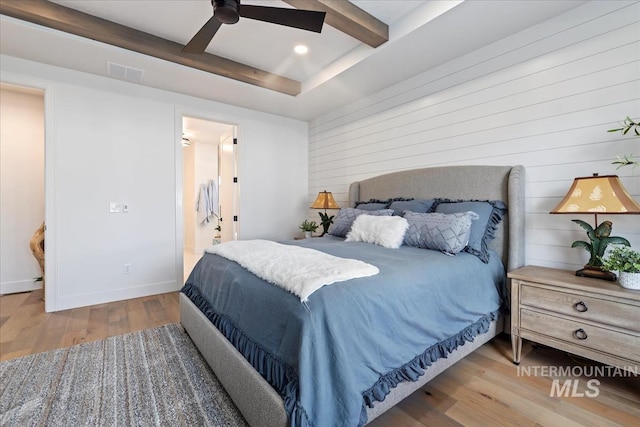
pixel 580 306
pixel 580 334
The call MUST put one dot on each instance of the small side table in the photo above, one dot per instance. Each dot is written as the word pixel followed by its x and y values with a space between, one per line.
pixel 592 318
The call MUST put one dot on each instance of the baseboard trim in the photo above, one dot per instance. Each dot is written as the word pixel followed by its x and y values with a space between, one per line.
pixel 83 300
pixel 19 286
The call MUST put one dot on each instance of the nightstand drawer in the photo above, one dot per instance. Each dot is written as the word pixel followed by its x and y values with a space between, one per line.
pixel 582 334
pixel 582 307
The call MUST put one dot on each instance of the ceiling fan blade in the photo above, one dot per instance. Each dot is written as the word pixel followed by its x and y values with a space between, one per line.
pixel 304 19
pixel 201 40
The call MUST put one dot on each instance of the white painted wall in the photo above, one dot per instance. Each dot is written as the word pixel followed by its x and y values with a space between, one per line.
pixel 116 141
pixel 272 159
pixel 543 98
pixel 121 149
pixel 21 187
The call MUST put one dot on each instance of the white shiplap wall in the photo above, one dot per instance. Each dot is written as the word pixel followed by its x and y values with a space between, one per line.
pixel 543 98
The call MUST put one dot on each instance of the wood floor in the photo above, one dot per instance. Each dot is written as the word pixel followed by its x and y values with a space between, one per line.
pixel 25 328
pixel 484 389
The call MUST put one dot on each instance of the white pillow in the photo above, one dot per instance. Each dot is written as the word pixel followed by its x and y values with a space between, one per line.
pixel 385 231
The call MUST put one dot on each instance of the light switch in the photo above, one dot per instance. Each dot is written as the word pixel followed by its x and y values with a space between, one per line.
pixel 115 207
pixel 125 207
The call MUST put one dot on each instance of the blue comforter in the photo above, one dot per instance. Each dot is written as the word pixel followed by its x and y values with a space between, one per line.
pixel 354 340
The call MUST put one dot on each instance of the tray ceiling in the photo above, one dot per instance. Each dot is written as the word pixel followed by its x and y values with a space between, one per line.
pixel 338 68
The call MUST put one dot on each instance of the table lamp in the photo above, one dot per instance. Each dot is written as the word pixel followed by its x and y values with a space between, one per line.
pixel 597 195
pixel 325 201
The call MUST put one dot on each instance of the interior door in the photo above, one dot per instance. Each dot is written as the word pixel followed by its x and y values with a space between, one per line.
pixel 228 188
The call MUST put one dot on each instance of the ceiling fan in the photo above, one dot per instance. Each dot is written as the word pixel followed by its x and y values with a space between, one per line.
pixel 230 11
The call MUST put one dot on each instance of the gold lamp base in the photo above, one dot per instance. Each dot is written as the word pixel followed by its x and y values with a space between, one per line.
pixel 596 273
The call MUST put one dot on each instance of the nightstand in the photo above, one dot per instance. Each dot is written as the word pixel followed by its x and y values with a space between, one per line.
pixel 592 318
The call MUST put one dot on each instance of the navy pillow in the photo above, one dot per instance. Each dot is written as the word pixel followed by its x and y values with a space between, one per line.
pixel 491 213
pixel 418 206
pixel 345 217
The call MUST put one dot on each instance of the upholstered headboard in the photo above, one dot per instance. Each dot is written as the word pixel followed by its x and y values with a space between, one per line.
pixel 505 183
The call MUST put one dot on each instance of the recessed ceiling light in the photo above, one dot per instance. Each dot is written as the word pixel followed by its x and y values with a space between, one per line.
pixel 301 49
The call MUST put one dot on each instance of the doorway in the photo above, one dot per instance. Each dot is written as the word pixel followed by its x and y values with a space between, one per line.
pixel 209 186
pixel 22 187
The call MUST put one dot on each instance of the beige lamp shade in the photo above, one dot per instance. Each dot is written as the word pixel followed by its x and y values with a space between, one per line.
pixel 325 200
pixel 597 195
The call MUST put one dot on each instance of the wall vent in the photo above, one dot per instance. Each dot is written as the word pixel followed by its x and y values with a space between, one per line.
pixel 123 72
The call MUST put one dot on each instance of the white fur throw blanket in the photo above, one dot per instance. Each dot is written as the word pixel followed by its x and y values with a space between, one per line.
pixel 300 271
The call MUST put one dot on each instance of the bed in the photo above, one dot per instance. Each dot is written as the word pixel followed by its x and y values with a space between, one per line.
pixel 259 401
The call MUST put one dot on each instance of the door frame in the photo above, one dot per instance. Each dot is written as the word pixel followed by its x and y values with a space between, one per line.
pixel 50 218
pixel 180 112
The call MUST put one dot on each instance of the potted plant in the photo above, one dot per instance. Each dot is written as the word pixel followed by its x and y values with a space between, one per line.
pixel 308 227
pixel 217 239
pixel 627 262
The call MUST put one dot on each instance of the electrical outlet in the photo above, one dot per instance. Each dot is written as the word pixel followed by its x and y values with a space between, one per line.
pixel 126 269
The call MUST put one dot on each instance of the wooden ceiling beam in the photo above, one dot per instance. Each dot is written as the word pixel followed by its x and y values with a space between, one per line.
pixel 348 18
pixel 72 21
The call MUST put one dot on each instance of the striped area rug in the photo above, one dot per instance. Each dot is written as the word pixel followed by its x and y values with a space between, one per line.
pixel 146 378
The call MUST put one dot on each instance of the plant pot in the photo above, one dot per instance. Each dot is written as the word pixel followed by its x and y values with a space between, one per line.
pixel 307 234
pixel 629 280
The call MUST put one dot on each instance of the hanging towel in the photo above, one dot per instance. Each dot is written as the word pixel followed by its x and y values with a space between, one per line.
pixel 207 202
pixel 202 205
pixel 213 200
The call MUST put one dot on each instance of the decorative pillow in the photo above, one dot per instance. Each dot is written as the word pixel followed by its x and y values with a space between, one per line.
pixel 448 233
pixel 385 231
pixel 345 217
pixel 491 213
pixel 373 205
pixel 417 205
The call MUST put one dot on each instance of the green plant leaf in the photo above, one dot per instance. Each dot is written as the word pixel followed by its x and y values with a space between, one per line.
pixel 581 243
pixel 597 250
pixel 587 227
pixel 622 258
pixel 616 241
